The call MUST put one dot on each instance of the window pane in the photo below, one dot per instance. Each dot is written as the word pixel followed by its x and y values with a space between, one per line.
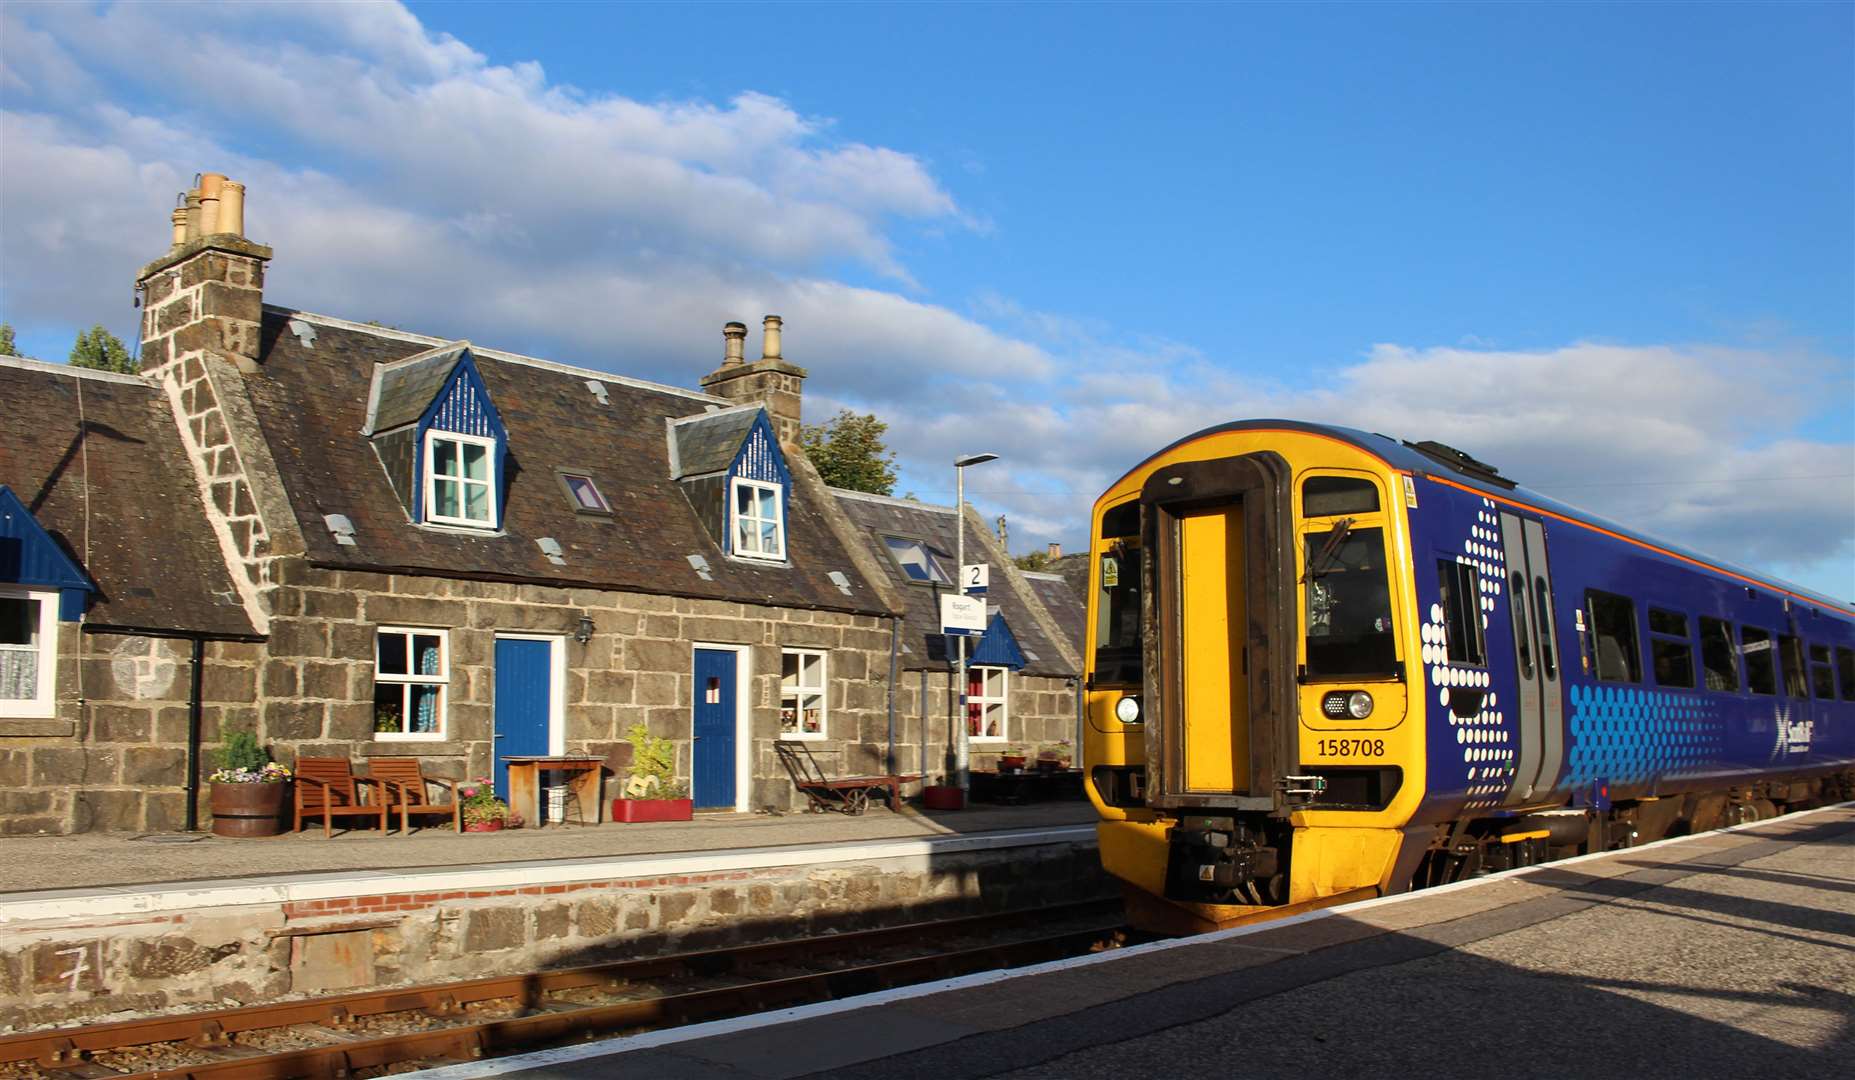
pixel 1790 651
pixel 1517 596
pixel 743 499
pixel 1462 630
pixel 769 537
pixel 995 682
pixel 1348 605
pixel 444 457
pixel 768 502
pixel 19 674
pixel 1613 629
pixel 789 669
pixel 586 493
pixel 811 714
pixel 1323 496
pixel 1667 622
pixel 1716 654
pixel 994 722
pixel 389 708
pixel 424 707
pixel 444 498
pixel 392 654
pixel 1819 654
pixel 427 648
pixel 1542 615
pixel 1118 643
pixel 478 507
pixel 1845 670
pixel 1674 662
pixel 745 538
pixel 1823 680
pixel 476 461
pixel 19 620
pixel 1761 666
pixel 811 666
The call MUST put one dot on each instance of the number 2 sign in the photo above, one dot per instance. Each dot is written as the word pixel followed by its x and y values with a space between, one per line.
pixel 974 577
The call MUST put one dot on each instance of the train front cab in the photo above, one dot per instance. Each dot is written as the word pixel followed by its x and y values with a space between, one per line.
pixel 1249 739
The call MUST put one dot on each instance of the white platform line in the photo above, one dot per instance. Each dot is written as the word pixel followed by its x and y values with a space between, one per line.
pixel 629 1043
pixel 114 901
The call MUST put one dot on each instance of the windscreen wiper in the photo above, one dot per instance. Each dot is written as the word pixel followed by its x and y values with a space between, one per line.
pixel 1324 560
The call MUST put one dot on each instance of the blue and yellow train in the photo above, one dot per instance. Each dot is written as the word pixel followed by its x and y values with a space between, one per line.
pixel 1325 664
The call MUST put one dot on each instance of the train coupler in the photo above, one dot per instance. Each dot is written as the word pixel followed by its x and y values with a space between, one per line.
pixel 1217 860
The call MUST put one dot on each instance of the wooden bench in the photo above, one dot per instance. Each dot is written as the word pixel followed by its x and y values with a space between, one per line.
pixel 405 782
pixel 845 794
pixel 327 788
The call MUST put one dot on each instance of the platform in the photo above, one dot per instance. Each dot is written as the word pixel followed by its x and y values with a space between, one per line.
pixel 1726 954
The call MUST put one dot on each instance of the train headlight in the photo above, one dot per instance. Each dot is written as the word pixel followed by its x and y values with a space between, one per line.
pixel 1127 710
pixel 1344 704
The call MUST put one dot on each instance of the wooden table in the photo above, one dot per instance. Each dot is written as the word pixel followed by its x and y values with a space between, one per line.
pixel 583 776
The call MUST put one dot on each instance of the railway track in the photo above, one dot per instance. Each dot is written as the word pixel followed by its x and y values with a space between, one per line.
pixel 374 1032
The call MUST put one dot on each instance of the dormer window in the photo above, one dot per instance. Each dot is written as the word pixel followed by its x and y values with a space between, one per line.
pixel 460 480
pixel 759 524
pixel 917 561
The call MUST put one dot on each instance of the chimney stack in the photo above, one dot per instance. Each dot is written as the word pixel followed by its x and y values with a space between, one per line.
pixel 204 298
pixel 769 338
pixel 768 381
pixel 1056 552
pixel 734 339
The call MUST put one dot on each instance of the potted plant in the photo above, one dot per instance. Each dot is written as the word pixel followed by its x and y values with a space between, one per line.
pixel 1012 757
pixel 653 792
pixel 482 810
pixel 1054 756
pixel 249 788
pixel 943 796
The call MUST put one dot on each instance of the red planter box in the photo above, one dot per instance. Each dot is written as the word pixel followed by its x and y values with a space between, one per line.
pixel 653 809
pixel 943 797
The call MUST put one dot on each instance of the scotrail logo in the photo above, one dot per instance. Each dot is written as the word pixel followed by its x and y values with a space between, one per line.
pixel 1793 735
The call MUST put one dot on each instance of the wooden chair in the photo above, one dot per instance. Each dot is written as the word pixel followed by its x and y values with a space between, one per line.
pixel 846 794
pixel 405 782
pixel 327 788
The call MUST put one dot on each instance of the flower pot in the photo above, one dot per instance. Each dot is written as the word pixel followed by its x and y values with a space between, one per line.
pixel 653 809
pixel 1011 761
pixel 248 809
pixel 493 825
pixel 943 797
pixel 1051 765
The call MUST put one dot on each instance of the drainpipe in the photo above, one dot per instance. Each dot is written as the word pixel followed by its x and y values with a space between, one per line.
pixel 895 631
pixel 193 736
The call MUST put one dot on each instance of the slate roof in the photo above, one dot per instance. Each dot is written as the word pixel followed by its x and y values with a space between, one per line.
pixel 708 444
pixel 404 389
pixel 879 516
pixel 311 401
pixel 1064 603
pixel 151 552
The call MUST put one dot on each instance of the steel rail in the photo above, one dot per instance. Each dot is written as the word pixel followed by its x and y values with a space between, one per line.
pixel 64 1048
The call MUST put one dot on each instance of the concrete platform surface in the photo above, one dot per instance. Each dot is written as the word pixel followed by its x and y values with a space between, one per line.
pixel 1726 954
pixel 119 860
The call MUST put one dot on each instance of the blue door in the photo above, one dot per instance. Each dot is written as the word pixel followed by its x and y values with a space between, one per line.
pixel 713 783
pixel 524 674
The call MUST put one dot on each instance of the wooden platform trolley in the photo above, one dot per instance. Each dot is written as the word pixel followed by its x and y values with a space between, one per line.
pixel 845 794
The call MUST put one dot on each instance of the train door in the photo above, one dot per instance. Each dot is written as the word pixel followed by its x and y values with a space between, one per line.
pixel 1218 663
pixel 1536 657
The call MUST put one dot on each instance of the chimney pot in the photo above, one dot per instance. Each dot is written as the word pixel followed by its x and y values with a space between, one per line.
pixel 734 338
pixel 232 208
pixel 179 220
pixel 193 214
pixel 769 346
pixel 1056 551
pixel 210 185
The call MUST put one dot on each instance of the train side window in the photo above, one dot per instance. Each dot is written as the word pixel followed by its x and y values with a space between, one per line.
pixel 1761 666
pixel 1326 496
pixel 1462 629
pixel 1120 521
pixel 1796 682
pixel 1542 611
pixel 1517 594
pixel 1845 668
pixel 1613 624
pixel 1716 654
pixel 1669 649
pixel 1822 675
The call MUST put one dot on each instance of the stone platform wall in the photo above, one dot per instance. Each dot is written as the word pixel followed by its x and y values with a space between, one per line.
pixel 61 971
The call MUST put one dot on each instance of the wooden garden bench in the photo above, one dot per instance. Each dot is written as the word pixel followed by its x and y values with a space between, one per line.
pixel 327 788
pixel 405 783
pixel 845 794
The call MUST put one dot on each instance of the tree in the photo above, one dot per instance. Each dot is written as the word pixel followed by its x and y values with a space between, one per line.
pixel 848 452
pixel 98 348
pixel 1036 560
pixel 7 347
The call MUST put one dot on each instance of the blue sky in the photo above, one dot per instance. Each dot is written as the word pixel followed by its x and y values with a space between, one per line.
pixel 1572 239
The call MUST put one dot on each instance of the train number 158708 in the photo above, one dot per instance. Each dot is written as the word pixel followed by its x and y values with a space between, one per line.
pixel 1351 747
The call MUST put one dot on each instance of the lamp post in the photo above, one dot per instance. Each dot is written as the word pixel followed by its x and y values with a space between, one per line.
pixel 961 750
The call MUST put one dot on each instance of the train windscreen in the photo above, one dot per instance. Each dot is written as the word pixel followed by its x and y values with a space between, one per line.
pixel 1348 604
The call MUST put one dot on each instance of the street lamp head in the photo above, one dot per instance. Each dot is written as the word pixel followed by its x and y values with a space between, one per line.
pixel 973 459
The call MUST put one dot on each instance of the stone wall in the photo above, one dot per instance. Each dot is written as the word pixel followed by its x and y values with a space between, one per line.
pixel 1042 712
pixel 62 970
pixel 121 760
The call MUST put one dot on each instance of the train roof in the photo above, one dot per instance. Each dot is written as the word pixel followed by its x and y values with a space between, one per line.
pixel 1437 461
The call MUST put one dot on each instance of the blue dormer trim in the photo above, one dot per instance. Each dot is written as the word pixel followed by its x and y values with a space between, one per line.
pixel 463 407
pixel 29 556
pixel 760 458
pixel 998 647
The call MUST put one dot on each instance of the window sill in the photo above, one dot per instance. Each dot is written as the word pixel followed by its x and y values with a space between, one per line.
pixel 801 736
pixel 448 528
pixel 391 737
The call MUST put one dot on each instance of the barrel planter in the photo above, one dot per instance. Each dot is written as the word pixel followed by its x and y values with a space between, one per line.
pixel 248 809
pixel 653 809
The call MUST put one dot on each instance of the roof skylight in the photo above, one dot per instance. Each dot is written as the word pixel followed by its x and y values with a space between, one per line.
pixel 917 560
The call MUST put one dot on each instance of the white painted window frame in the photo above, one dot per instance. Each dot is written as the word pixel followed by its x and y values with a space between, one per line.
pixel 442 681
pixel 43 705
pixel 431 478
pixel 798 693
pixel 1003 701
pixel 779 519
pixel 743 716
